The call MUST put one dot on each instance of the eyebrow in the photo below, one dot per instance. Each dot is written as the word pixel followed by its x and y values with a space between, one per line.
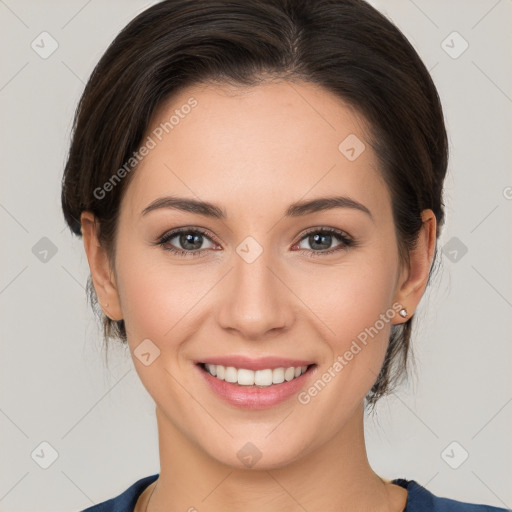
pixel 294 210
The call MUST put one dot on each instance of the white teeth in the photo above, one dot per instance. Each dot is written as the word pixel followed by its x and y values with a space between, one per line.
pixel 263 377
pixel 245 377
pixel 278 376
pixel 289 373
pixel 231 374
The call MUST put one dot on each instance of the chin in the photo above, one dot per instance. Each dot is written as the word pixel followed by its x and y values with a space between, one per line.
pixel 256 452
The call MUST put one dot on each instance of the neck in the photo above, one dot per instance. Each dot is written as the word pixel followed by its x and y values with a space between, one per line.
pixel 336 476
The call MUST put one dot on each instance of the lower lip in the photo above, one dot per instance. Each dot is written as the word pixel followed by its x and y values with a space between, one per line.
pixel 248 397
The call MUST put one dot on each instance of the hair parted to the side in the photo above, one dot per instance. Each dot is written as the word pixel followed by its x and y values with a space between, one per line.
pixel 345 46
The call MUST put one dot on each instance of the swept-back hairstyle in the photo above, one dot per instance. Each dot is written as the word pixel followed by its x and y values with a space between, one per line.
pixel 345 46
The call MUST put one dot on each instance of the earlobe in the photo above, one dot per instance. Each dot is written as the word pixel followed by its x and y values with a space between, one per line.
pixel 99 265
pixel 415 279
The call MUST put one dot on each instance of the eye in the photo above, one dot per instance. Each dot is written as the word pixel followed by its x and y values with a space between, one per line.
pixel 320 241
pixel 189 242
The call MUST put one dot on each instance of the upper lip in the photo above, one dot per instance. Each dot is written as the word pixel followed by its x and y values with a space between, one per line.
pixel 261 363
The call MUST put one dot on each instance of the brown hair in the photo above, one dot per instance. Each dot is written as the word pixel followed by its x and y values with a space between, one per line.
pixel 345 46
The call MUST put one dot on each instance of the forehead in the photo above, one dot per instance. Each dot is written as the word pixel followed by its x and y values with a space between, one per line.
pixel 273 142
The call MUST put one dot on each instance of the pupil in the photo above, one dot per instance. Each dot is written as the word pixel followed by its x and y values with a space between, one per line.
pixel 317 240
pixel 188 238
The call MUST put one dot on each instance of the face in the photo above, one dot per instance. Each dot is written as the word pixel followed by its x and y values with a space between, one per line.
pixel 270 271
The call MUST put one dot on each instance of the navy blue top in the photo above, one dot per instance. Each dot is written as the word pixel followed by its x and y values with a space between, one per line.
pixel 418 499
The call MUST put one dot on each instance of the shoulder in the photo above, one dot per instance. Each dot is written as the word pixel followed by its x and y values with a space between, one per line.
pixel 124 502
pixel 420 499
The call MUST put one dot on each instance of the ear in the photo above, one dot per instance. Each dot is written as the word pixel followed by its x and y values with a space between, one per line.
pixel 102 275
pixel 413 279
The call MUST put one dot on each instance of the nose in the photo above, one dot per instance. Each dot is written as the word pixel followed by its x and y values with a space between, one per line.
pixel 254 299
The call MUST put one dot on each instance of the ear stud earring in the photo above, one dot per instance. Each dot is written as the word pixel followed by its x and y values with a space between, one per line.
pixel 403 312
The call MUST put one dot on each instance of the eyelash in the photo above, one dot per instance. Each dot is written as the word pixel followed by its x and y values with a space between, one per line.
pixel 346 242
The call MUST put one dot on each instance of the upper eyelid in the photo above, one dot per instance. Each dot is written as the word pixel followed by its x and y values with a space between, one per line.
pixel 169 235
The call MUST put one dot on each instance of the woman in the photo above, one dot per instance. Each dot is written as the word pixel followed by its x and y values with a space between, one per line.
pixel 259 190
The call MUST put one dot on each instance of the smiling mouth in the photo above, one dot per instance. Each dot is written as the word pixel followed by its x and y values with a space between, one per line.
pixel 255 378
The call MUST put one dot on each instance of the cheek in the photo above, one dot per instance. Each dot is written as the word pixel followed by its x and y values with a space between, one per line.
pixel 354 303
pixel 159 302
pixel 157 297
pixel 351 298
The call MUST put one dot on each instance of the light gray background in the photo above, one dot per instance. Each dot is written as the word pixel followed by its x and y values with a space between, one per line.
pixel 54 384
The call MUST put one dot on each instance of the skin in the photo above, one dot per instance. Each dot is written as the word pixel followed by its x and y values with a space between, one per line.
pixel 253 151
